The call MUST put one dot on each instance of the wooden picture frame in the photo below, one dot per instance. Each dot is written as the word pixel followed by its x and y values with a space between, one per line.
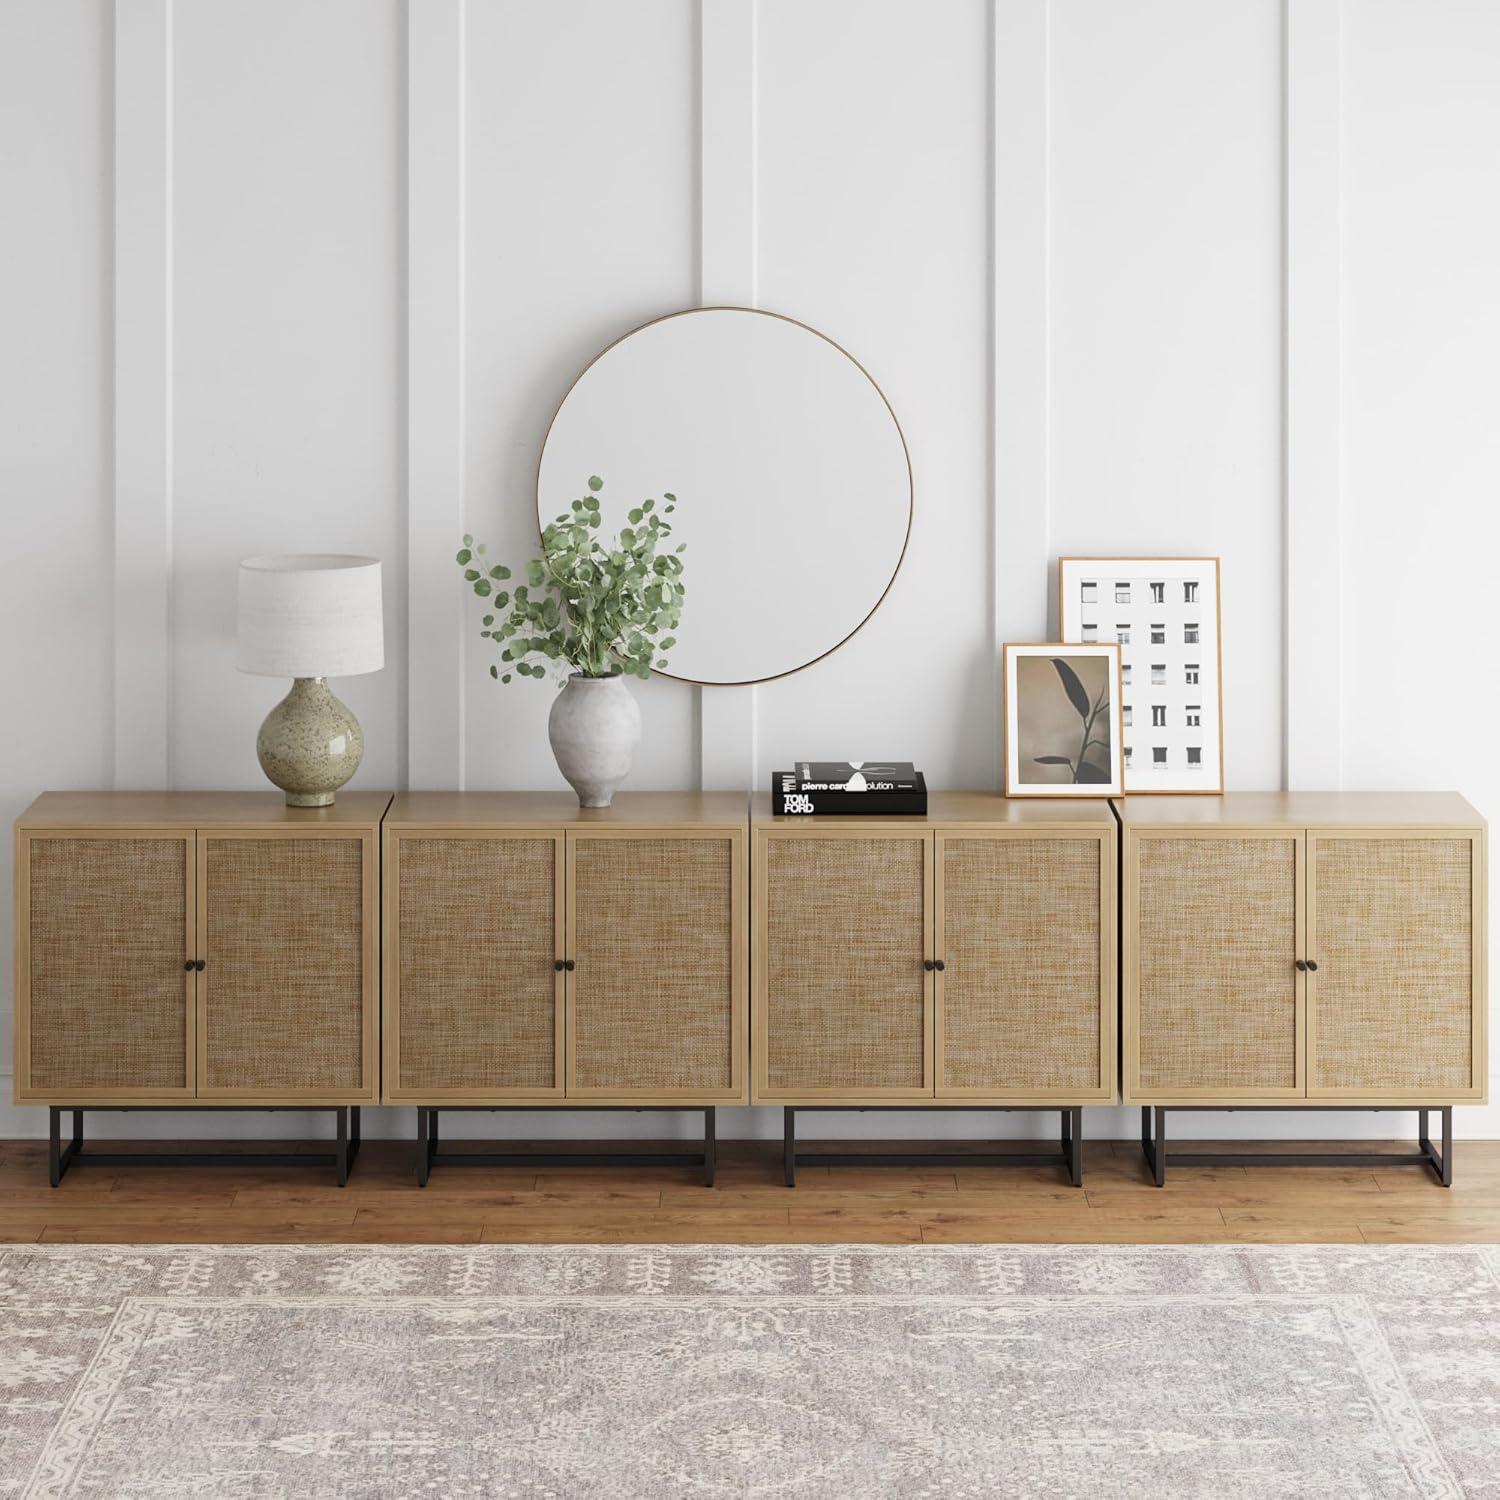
pixel 1053 717
pixel 1165 614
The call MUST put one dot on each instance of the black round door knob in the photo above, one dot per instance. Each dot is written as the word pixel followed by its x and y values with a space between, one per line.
pixel 928 964
pixel 939 965
pixel 558 965
pixel 569 965
pixel 189 965
pixel 1301 966
pixel 201 964
pixel 1312 964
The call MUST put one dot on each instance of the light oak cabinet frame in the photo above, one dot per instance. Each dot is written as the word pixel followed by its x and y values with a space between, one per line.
pixel 195 819
pixel 1307 819
pixel 952 816
pixel 541 815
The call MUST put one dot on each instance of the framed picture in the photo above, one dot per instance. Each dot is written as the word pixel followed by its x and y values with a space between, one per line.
pixel 1062 721
pixel 1163 614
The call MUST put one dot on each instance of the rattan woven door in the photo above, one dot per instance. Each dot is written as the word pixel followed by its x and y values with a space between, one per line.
pixel 655 937
pixel 104 981
pixel 1024 1004
pixel 473 953
pixel 842 998
pixel 1393 925
pixel 1214 1001
pixel 287 935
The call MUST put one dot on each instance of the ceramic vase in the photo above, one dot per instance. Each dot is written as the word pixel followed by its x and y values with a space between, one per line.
pixel 594 726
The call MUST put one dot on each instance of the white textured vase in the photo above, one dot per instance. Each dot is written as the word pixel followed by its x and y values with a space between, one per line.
pixel 594 727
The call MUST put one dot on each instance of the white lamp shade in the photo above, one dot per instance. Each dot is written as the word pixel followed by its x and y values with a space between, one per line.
pixel 310 615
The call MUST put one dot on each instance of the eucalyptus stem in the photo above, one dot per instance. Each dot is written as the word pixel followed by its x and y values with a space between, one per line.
pixel 592 606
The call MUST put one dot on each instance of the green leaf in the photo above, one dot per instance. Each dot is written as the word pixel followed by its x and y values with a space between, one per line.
pixel 595 483
pixel 494 670
pixel 464 555
pixel 471 574
pixel 669 642
pixel 482 588
pixel 668 496
pixel 468 540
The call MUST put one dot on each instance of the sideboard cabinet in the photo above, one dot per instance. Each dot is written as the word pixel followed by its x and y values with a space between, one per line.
pixel 196 950
pixel 965 958
pixel 1316 949
pixel 537 953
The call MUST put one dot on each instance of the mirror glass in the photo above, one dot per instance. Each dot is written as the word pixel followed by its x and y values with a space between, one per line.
pixel 793 485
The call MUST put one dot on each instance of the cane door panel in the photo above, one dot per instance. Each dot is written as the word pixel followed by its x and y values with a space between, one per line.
pixel 1392 926
pixel 473 980
pixel 1025 933
pixel 1215 926
pixel 104 991
pixel 843 929
pixel 288 940
pixel 656 992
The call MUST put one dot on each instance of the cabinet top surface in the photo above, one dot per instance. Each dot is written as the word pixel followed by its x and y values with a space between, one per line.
pixel 134 809
pixel 955 807
pixel 1299 809
pixel 561 809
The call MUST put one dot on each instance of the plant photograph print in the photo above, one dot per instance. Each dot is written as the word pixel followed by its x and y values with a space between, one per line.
pixel 1062 716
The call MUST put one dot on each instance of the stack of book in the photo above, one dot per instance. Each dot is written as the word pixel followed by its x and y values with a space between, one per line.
pixel 849 786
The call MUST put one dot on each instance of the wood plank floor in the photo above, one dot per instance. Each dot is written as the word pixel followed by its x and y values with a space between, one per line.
pixel 1118 1203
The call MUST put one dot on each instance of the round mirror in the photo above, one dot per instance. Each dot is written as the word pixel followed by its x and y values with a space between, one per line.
pixel 792 480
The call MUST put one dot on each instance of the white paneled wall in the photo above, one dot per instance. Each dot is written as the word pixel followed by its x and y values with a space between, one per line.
pixel 1136 275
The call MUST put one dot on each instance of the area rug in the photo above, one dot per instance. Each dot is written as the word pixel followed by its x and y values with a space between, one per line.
pixel 806 1371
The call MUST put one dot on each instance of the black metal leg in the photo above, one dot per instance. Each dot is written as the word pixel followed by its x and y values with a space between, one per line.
pixel 424 1147
pixel 1442 1165
pixel 1158 1152
pixel 789 1145
pixel 1146 1130
pixel 1073 1143
pixel 341 1147
pixel 54 1156
pixel 710 1145
pixel 432 1129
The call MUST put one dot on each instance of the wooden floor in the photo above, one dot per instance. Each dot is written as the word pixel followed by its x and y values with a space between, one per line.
pixel 1118 1203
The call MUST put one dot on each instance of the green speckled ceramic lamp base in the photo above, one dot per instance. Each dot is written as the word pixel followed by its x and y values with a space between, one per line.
pixel 310 744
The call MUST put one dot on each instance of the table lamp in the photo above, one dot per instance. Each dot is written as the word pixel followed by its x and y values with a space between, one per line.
pixel 310 617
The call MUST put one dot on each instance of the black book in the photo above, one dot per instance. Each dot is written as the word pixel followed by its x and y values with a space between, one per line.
pixel 790 799
pixel 856 777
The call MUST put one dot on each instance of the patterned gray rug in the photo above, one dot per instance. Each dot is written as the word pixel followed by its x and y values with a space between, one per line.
pixel 705 1371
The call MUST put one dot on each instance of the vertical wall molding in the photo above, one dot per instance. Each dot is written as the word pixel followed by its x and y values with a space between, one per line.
pixel 1019 290
pixel 727 718
pixel 143 394
pixel 1314 648
pixel 435 392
